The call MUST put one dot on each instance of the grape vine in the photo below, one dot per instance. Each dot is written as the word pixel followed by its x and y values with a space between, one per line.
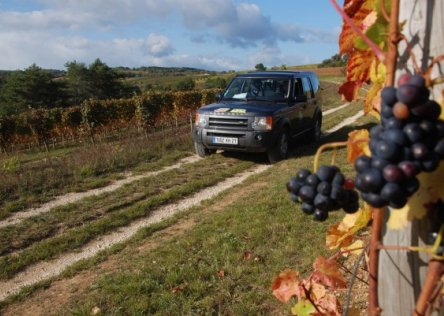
pixel 390 161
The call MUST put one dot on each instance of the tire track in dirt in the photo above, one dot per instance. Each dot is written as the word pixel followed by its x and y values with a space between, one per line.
pixel 48 269
pixel 52 268
pixel 76 196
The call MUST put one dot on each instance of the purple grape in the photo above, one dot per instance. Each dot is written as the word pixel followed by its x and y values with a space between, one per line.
pixel 413 132
pixel 322 202
pixel 302 174
pixel 393 123
pixel 410 94
pixel 312 180
pixel 396 136
pixel 293 185
pixel 374 199
pixel 386 111
pixel 410 186
pixel 326 173
pixel 408 168
pixel 388 150
pixel 320 215
pixel 324 188
pixel 379 163
pixel 307 208
pixel 338 179
pixel 351 208
pixel 337 193
pixel 372 180
pixel 417 80
pixel 420 151
pixel 388 95
pixel 394 194
pixel 375 131
pixel 429 110
pixel 362 163
pixel 393 173
pixel 307 193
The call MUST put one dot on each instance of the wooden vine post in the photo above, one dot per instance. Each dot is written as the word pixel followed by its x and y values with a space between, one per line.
pixel 402 274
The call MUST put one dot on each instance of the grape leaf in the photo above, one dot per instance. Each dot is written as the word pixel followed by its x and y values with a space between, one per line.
pixel 341 234
pixel 357 10
pixel 358 72
pixel 303 308
pixel 372 100
pixel 286 285
pixel 355 248
pixel 329 305
pixel 430 190
pixel 359 64
pixel 349 90
pixel 327 273
pixel 357 144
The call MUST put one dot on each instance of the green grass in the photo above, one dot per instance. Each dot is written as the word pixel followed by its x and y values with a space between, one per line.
pixel 78 236
pixel 264 223
pixel 29 185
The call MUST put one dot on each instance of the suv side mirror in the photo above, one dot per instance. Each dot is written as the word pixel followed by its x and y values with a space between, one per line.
pixel 218 96
pixel 300 98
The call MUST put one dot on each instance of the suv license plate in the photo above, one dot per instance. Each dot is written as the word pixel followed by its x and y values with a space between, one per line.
pixel 225 140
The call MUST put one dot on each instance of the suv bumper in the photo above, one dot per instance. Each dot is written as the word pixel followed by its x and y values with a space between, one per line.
pixel 248 141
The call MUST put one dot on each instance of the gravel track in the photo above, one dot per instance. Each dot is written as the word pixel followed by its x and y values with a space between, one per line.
pixel 74 197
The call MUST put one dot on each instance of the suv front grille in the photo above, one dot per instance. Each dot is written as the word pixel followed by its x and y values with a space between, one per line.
pixel 231 123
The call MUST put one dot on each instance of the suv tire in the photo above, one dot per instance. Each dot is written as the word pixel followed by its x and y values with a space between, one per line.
pixel 201 150
pixel 279 150
pixel 315 133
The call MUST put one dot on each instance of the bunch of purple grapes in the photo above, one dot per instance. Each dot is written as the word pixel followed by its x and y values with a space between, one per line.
pixel 324 191
pixel 409 140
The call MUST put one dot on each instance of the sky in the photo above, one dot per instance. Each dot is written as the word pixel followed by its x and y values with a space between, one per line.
pixel 206 34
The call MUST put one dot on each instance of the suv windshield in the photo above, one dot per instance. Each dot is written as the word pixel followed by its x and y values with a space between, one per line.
pixel 268 89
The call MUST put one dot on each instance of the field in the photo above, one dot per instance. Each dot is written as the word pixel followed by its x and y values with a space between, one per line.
pixel 175 235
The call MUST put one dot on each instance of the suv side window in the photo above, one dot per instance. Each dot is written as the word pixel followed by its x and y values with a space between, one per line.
pixel 298 89
pixel 307 88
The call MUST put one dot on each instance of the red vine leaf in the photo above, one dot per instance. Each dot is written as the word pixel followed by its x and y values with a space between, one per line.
pixel 359 65
pixel 349 90
pixel 286 285
pixel 327 272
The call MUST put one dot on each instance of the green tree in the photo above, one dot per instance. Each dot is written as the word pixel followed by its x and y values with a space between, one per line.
pixel 97 81
pixel 32 88
pixel 260 67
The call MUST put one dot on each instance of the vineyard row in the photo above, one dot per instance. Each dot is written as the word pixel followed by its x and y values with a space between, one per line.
pixel 98 117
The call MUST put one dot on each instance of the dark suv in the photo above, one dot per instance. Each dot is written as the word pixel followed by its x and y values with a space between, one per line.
pixel 261 112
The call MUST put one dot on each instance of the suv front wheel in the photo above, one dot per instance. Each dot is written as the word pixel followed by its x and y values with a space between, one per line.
pixel 201 150
pixel 279 150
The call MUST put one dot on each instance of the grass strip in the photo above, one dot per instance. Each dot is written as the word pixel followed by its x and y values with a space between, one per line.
pixel 66 217
pixel 75 238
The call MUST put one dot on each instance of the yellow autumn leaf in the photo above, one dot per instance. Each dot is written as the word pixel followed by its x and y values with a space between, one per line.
pixel 357 144
pixel 355 248
pixel 341 234
pixel 430 190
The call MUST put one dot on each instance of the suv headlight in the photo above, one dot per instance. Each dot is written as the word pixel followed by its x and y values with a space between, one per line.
pixel 262 123
pixel 200 120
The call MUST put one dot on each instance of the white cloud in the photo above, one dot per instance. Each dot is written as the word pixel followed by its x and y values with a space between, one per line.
pixel 72 30
pixel 158 45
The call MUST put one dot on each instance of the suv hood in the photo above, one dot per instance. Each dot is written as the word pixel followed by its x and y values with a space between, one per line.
pixel 250 108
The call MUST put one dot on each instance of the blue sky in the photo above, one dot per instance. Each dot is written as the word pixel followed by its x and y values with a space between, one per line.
pixel 208 34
